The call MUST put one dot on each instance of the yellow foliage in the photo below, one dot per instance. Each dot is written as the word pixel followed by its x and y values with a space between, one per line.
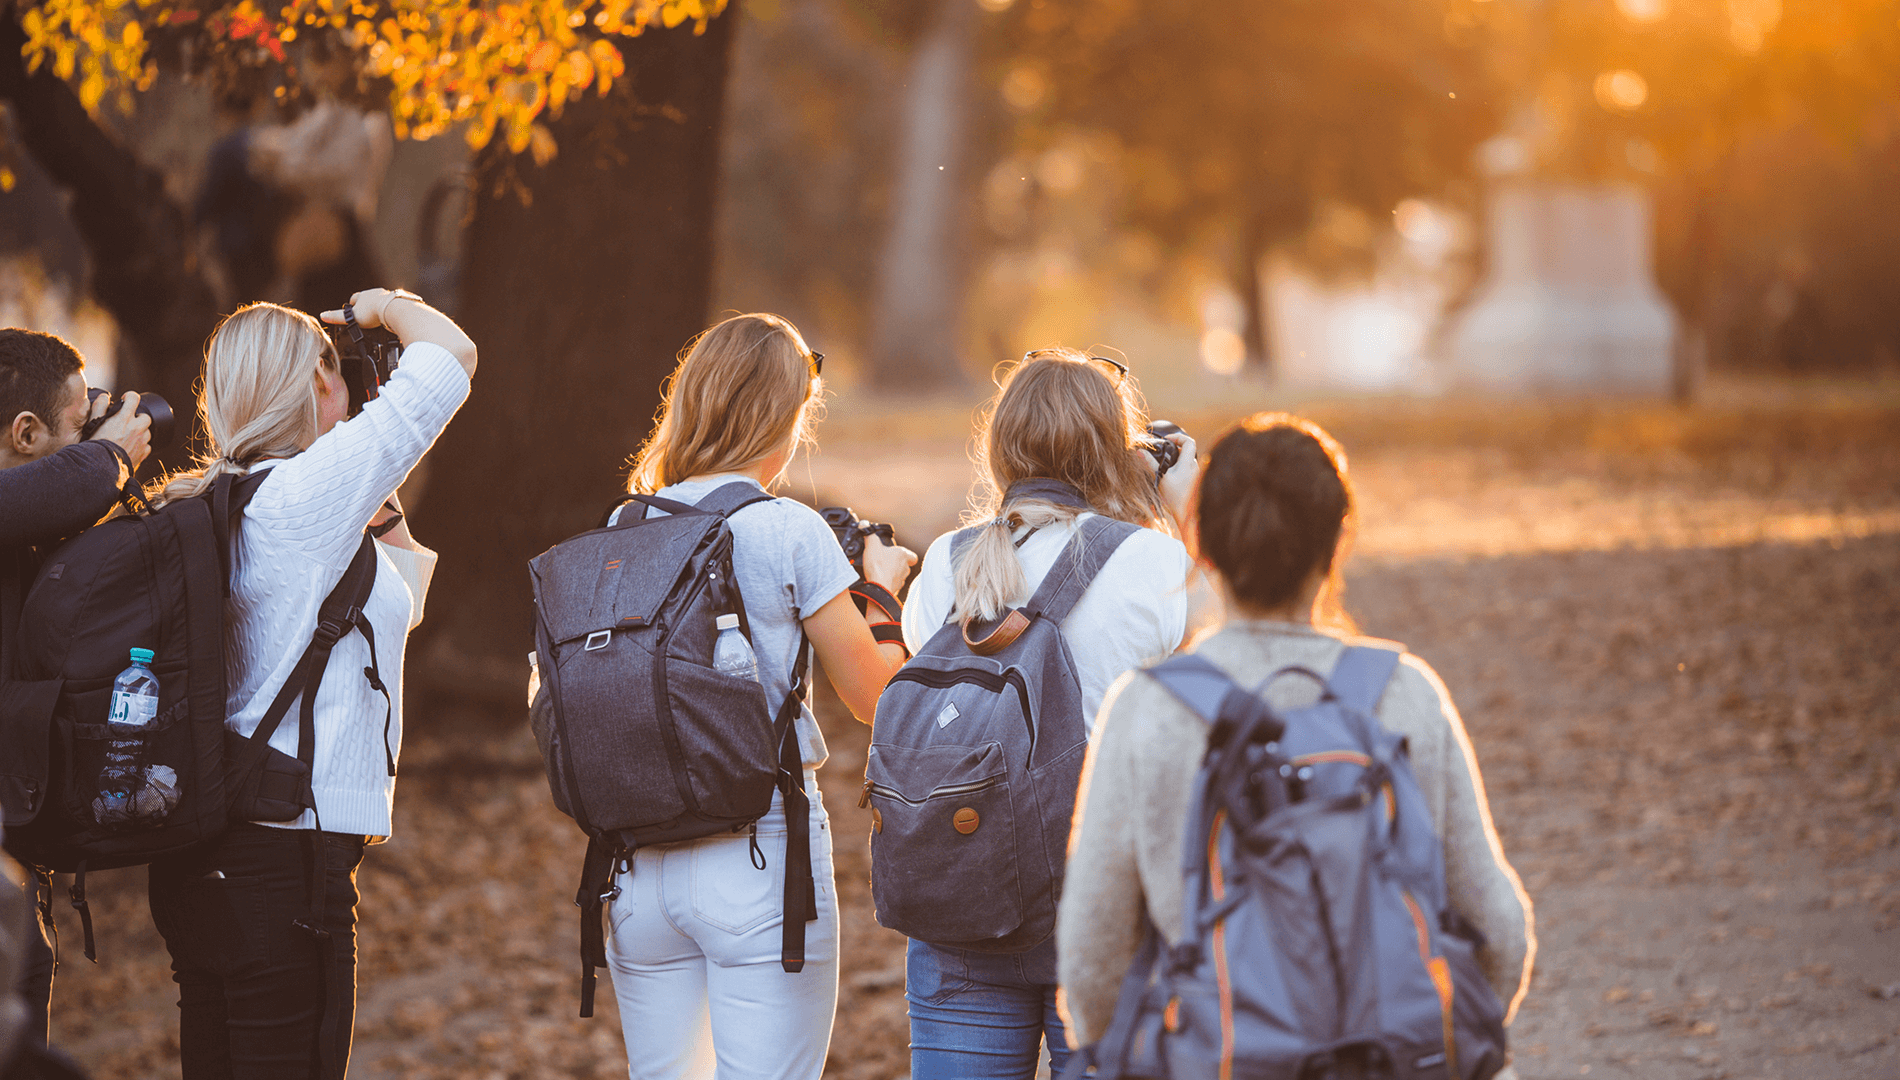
pixel 494 64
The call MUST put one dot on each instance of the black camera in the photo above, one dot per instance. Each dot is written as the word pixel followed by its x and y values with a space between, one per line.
pixel 368 357
pixel 150 405
pixel 1166 454
pixel 852 531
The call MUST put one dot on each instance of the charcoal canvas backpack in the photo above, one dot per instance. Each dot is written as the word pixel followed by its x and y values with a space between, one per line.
pixel 973 767
pixel 644 741
pixel 156 580
pixel 1317 942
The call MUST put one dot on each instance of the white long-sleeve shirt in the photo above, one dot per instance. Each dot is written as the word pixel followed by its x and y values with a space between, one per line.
pixel 295 540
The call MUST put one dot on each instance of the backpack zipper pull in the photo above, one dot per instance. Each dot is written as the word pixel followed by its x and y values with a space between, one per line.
pixel 758 857
pixel 864 799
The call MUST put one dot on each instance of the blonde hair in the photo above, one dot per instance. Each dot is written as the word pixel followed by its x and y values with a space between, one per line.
pixel 259 397
pixel 1057 414
pixel 745 387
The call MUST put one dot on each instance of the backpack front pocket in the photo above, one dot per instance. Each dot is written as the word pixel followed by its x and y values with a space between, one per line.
pixel 943 843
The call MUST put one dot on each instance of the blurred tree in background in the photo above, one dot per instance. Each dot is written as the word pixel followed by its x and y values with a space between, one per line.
pixel 1241 125
pixel 588 243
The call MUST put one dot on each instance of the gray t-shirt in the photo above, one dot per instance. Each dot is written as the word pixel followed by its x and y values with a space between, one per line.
pixel 788 564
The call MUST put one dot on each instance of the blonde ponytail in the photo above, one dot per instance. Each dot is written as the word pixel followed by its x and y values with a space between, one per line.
pixel 259 398
pixel 987 575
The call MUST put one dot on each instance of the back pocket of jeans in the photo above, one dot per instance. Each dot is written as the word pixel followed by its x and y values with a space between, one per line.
pixel 730 892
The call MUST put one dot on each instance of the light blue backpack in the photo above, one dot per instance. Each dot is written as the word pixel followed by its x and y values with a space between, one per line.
pixel 1317 941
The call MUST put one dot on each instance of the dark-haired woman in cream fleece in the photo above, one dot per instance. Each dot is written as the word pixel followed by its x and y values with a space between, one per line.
pixel 1272 510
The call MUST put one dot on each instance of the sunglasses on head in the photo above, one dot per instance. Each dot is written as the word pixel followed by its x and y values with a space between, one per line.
pixel 1117 371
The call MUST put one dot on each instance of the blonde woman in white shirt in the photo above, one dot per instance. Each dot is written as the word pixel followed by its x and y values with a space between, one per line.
pixel 266 985
pixel 1059 443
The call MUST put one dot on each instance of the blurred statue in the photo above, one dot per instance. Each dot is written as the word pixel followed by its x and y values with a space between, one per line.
pixel 291 205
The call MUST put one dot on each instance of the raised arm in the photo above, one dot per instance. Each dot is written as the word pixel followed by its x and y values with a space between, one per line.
pixel 412 321
pixel 59 494
pixel 321 499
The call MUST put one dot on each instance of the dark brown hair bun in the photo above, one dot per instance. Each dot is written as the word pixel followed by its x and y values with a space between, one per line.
pixel 1274 502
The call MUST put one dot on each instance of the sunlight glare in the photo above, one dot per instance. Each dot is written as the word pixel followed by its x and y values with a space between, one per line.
pixel 1024 87
pixel 1643 11
pixel 1622 90
pixel 1222 351
pixel 1750 21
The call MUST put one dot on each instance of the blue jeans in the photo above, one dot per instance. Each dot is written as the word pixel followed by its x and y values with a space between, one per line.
pixel 982 1016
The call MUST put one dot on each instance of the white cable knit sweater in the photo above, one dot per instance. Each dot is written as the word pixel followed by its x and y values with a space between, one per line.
pixel 296 538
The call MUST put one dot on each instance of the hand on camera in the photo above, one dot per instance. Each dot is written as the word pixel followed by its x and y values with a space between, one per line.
pixel 1177 485
pixel 887 564
pixel 129 429
pixel 369 306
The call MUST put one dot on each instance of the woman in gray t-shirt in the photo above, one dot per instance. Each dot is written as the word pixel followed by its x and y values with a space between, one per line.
pixel 694 945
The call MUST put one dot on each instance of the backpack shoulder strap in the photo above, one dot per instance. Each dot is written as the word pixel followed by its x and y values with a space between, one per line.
pixel 961 539
pixel 1196 682
pixel 340 612
pixel 229 496
pixel 1359 678
pixel 1214 696
pixel 725 501
pixel 729 499
pixel 1081 559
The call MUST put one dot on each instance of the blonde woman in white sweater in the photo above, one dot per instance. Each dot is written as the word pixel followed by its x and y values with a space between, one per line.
pixel 1272 520
pixel 266 984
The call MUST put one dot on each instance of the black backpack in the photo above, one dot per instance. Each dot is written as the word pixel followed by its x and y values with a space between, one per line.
pixel 156 580
pixel 644 742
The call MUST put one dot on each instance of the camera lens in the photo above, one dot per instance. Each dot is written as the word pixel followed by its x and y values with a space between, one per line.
pixel 151 405
pixel 160 411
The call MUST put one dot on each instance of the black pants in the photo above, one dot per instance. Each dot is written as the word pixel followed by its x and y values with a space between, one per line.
pixel 36 967
pixel 261 994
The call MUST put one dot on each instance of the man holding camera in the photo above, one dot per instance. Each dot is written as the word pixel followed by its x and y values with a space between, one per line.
pixel 53 483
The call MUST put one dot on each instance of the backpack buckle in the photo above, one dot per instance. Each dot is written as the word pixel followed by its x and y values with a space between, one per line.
pixel 599 639
pixel 329 633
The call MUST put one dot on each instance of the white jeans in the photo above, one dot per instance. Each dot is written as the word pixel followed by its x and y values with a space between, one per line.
pixel 693 953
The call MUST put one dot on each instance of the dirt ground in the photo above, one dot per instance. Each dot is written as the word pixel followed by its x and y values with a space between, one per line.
pixel 1673 637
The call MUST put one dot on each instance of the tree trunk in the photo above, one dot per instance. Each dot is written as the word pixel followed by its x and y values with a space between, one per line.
pixel 1254 331
pixel 140 242
pixel 914 335
pixel 580 299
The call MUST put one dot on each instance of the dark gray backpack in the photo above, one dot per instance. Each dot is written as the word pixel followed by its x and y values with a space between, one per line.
pixel 1317 940
pixel 974 762
pixel 645 743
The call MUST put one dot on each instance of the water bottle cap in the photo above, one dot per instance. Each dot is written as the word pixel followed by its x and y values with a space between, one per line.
pixel 141 656
pixel 727 622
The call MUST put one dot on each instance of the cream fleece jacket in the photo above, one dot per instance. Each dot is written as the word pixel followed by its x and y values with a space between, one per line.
pixel 1125 850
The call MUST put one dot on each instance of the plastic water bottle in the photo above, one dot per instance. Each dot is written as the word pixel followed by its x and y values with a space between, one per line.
pixel 129 792
pixel 732 653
